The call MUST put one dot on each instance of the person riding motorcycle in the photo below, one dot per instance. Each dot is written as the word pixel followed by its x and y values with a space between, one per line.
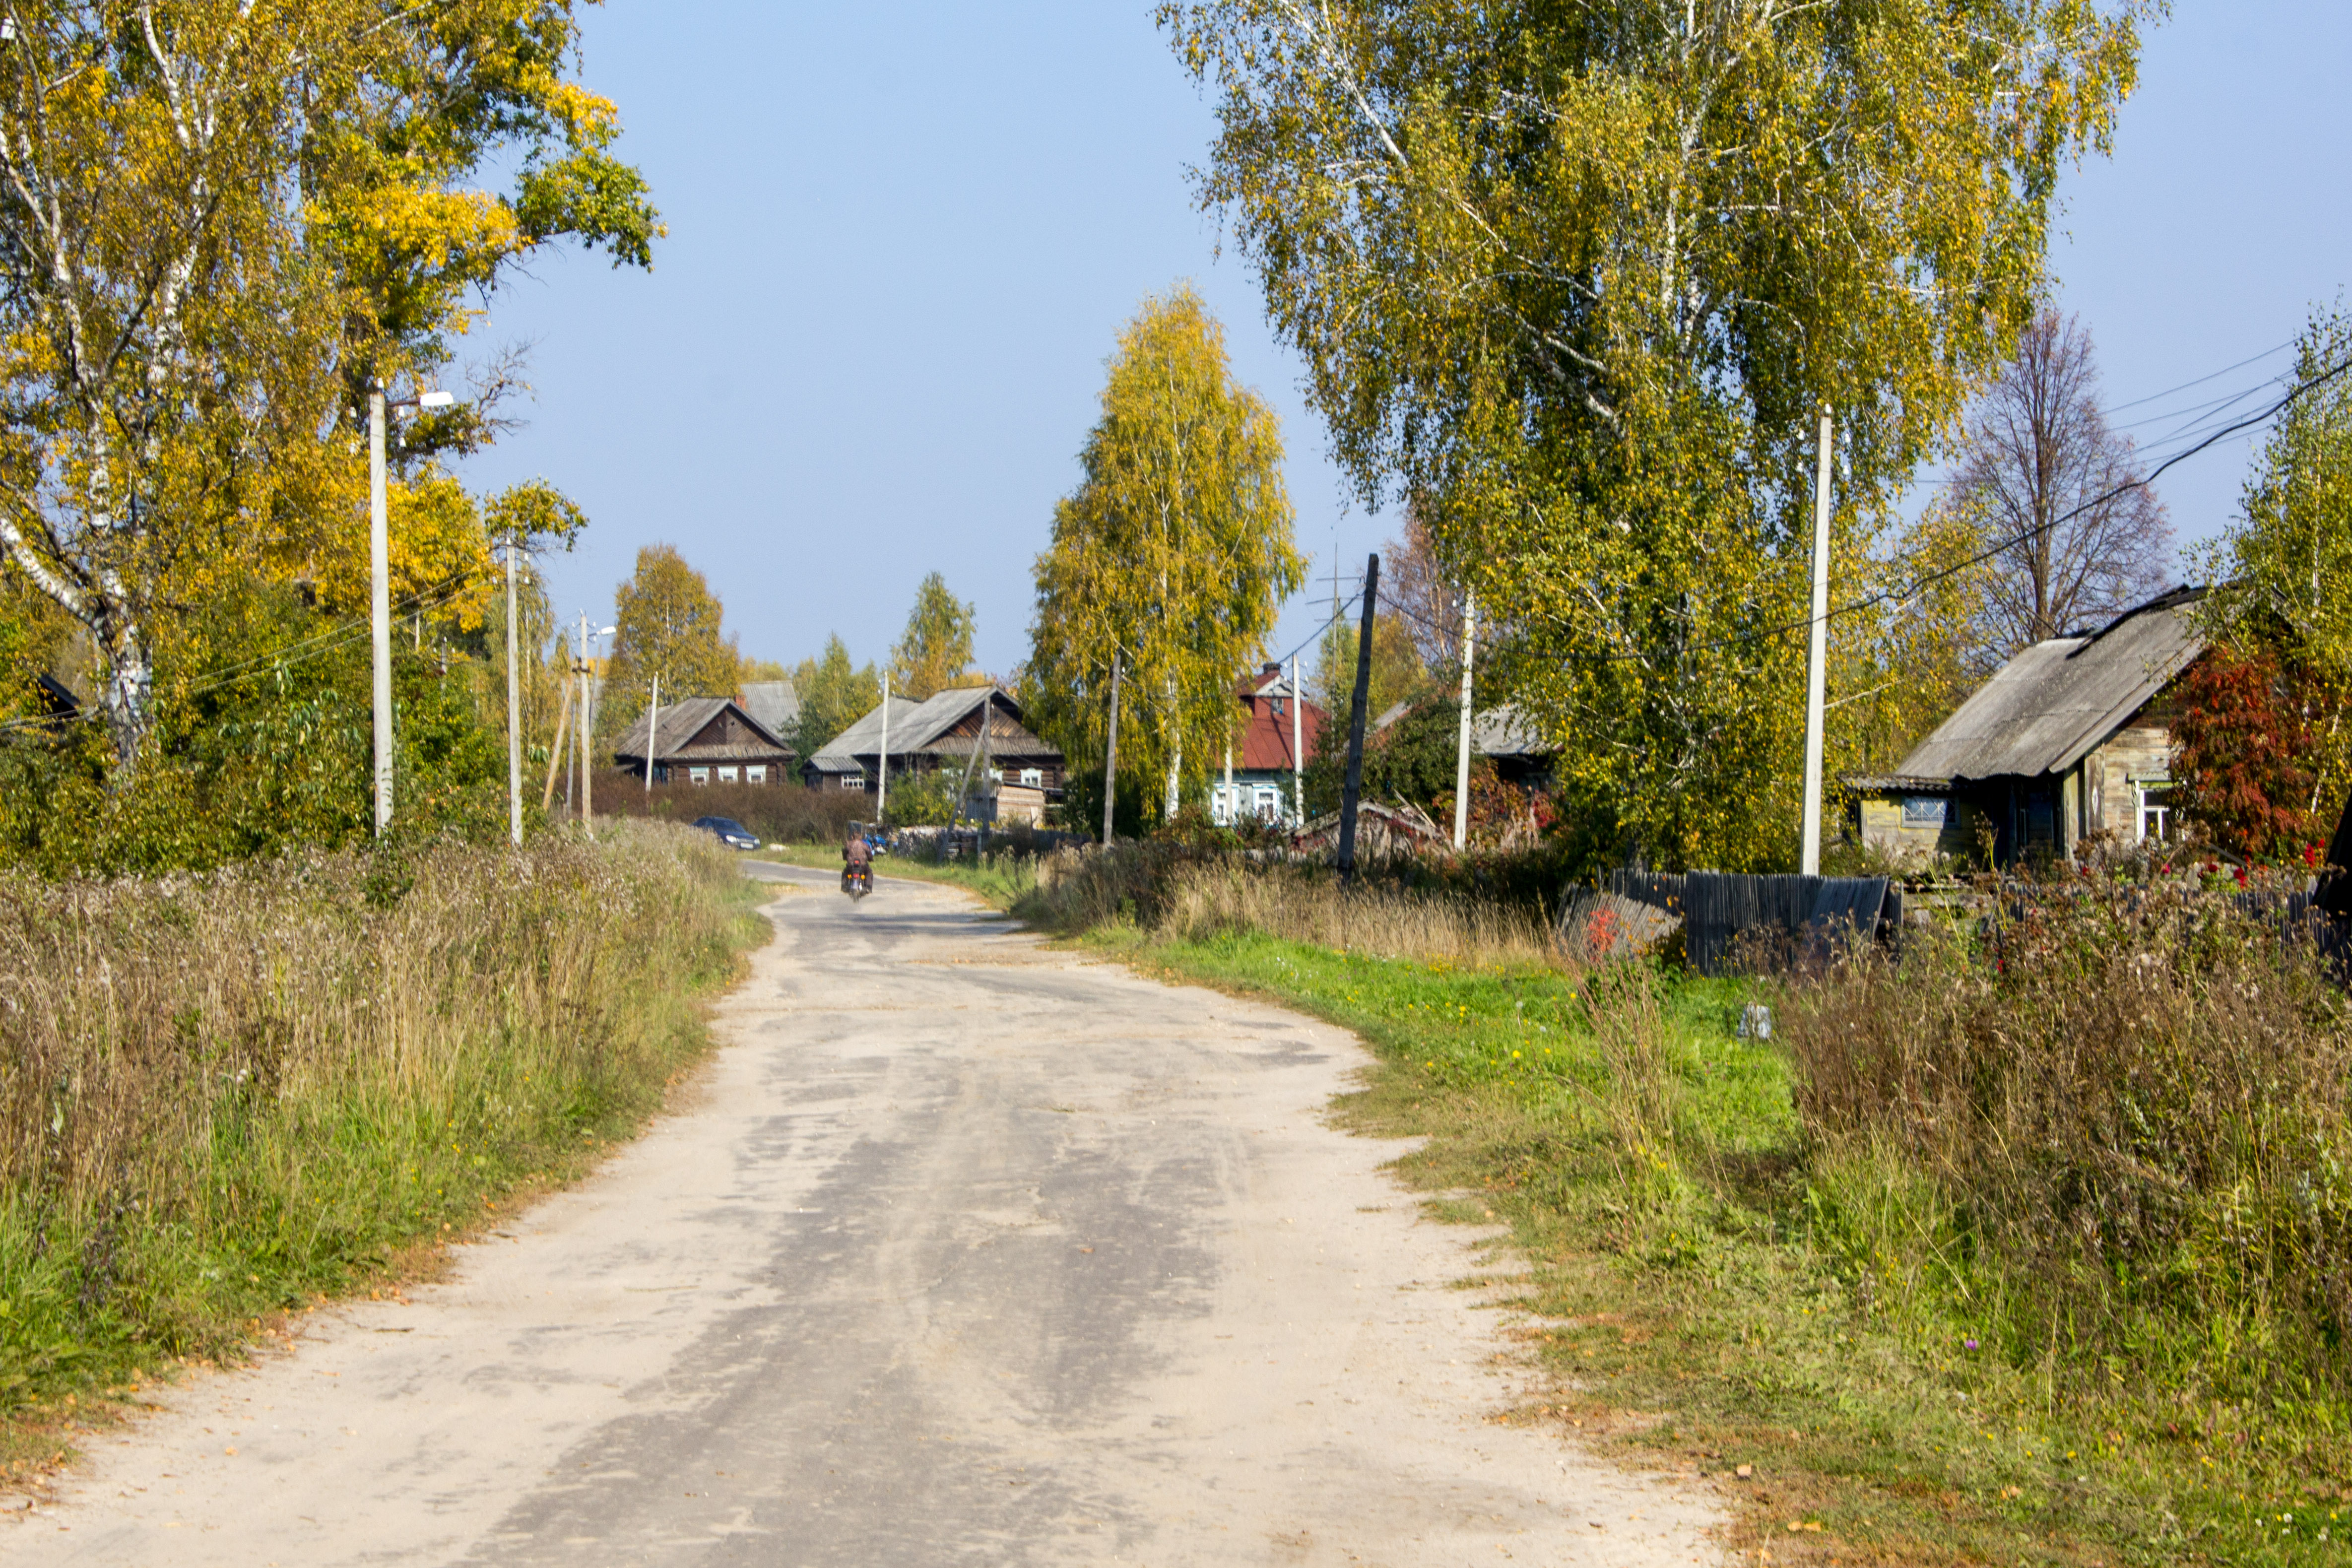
pixel 857 861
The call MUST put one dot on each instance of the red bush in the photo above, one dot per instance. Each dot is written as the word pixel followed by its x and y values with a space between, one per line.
pixel 2244 740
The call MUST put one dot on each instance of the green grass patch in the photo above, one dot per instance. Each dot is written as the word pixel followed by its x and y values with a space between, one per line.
pixel 1708 1293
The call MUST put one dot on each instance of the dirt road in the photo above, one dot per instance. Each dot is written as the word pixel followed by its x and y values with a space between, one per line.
pixel 966 1252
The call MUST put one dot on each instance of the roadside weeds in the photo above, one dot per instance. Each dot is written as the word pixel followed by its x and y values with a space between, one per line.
pixel 1698 1308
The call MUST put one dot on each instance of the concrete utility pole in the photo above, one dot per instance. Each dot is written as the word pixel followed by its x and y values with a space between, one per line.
pixel 1817 659
pixel 380 608
pixel 1297 761
pixel 1232 813
pixel 1110 752
pixel 1462 762
pixel 882 785
pixel 380 590
pixel 653 733
pixel 514 709
pixel 1354 785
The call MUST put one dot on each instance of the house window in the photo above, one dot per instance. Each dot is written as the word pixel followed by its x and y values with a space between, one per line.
pixel 729 775
pixel 2154 816
pixel 1269 802
pixel 756 774
pixel 1034 778
pixel 699 775
pixel 853 781
pixel 1926 811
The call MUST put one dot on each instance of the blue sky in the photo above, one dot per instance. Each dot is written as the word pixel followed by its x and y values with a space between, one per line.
pixel 902 240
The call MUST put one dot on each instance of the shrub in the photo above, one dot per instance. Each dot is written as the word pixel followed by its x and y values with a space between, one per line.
pixel 2125 1107
pixel 779 814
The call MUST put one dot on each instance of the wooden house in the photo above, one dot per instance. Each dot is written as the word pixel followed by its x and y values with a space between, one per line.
pixel 1263 765
pixel 967 730
pixel 2068 743
pixel 706 740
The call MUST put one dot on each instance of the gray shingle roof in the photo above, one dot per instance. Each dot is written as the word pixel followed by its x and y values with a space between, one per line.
pixel 923 727
pixel 683 720
pixel 774 704
pixel 2049 707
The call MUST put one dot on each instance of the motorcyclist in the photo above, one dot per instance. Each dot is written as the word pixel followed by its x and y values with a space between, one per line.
pixel 857 857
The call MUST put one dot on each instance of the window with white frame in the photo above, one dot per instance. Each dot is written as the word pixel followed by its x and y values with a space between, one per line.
pixel 1269 802
pixel 2153 817
pixel 756 774
pixel 853 781
pixel 699 775
pixel 729 775
pixel 1034 778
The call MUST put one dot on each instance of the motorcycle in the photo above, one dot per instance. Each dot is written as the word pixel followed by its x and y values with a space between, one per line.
pixel 857 880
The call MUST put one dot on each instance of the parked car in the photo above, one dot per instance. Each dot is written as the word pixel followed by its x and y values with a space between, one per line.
pixel 731 833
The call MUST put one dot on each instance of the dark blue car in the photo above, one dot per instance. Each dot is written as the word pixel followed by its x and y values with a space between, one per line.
pixel 731 833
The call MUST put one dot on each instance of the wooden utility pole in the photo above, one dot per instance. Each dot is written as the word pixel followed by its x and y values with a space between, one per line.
pixel 1354 785
pixel 556 752
pixel 1462 762
pixel 1110 752
pixel 1817 659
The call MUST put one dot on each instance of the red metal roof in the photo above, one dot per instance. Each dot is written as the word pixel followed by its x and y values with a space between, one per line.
pixel 1265 737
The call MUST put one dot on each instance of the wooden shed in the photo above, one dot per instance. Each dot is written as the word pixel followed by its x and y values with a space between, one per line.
pixel 2068 742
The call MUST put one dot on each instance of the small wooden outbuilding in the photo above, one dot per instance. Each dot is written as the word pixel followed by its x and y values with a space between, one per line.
pixel 2069 741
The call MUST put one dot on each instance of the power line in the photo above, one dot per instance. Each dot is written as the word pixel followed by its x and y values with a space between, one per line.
pixel 2202 380
pixel 1911 590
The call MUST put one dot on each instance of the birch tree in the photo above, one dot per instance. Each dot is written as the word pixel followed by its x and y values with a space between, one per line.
pixel 1576 277
pixel 1175 553
pixel 221 221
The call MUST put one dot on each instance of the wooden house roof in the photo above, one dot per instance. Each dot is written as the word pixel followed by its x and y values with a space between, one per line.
pixel 946 724
pixel 2056 702
pixel 703 729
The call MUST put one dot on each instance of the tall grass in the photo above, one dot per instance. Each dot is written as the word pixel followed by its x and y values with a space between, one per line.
pixel 223 1094
pixel 2122 1124
pixel 1191 897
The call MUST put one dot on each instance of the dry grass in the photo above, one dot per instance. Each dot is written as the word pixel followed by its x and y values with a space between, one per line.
pixel 221 1095
pixel 1193 898
pixel 2122 1125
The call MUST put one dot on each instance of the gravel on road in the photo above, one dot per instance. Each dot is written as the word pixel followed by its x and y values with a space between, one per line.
pixel 964 1250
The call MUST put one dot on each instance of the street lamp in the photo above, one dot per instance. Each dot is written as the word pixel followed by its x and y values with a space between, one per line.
pixel 380 588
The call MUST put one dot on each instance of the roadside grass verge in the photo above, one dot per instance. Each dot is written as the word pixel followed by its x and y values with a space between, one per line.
pixel 1723 1276
pixel 999 880
pixel 226 1097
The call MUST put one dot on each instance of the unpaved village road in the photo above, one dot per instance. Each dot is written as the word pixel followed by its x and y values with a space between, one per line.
pixel 965 1252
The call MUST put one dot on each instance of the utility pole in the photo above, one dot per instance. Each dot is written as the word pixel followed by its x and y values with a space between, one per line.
pixel 1233 812
pixel 653 732
pixel 1462 762
pixel 587 729
pixel 579 704
pixel 1110 752
pixel 514 709
pixel 882 785
pixel 1298 758
pixel 1354 785
pixel 1817 659
pixel 380 608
